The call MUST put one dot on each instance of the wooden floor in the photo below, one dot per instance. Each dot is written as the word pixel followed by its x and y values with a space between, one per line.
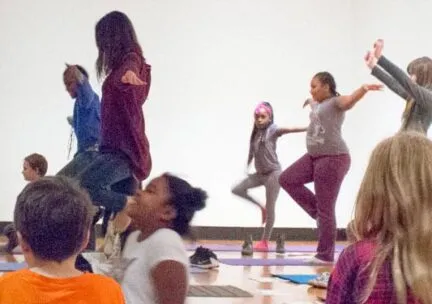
pixel 255 279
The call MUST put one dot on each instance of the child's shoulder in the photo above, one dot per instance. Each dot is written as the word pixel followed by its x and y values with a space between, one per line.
pixel 166 235
pixel 11 277
pixel 100 280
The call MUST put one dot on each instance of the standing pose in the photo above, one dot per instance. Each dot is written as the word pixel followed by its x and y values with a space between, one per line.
pixel 124 150
pixel 85 120
pixel 326 162
pixel 262 148
pixel 416 89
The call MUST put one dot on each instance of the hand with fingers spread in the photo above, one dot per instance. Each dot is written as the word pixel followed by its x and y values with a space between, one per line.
pixel 373 87
pixel 131 78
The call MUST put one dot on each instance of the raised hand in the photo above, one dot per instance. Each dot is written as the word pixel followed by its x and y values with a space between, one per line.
pixel 370 60
pixel 378 48
pixel 131 78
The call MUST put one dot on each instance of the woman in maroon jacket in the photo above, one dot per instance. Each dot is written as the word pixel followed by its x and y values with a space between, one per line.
pixel 124 149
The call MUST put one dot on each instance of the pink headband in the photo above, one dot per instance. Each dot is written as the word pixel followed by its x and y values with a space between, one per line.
pixel 264 107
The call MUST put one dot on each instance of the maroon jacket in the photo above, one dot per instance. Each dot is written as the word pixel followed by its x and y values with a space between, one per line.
pixel 123 125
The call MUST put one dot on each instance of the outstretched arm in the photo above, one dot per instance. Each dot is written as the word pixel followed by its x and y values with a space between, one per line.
pixel 420 94
pixel 390 82
pixel 346 102
pixel 385 78
pixel 283 131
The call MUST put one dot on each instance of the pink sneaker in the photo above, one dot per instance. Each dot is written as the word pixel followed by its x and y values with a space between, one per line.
pixel 261 246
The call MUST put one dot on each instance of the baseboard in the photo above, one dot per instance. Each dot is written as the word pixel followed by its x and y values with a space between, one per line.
pixel 240 233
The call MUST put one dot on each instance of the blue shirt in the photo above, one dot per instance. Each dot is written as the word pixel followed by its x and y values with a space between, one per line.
pixel 86 117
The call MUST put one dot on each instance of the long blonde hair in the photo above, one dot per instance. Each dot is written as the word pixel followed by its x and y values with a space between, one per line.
pixel 394 208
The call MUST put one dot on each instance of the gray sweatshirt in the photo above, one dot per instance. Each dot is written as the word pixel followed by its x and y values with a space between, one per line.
pixel 418 112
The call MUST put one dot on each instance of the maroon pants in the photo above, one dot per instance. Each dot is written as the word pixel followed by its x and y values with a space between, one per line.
pixel 327 173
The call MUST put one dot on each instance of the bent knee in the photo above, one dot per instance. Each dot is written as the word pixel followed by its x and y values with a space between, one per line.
pixel 238 190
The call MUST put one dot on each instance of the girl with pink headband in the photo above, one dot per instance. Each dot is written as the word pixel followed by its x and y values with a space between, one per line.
pixel 262 149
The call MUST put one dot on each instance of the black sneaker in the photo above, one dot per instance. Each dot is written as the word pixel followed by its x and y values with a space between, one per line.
pixel 247 247
pixel 204 258
pixel 280 244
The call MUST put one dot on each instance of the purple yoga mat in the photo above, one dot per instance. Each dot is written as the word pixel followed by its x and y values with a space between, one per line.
pixel 267 262
pixel 272 248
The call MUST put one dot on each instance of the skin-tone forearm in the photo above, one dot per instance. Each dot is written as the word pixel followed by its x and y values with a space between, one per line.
pixel 348 101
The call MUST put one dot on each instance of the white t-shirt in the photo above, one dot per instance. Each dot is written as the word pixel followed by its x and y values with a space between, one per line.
pixel 163 245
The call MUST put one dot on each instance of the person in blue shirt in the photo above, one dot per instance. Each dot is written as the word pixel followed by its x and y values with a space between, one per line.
pixel 86 119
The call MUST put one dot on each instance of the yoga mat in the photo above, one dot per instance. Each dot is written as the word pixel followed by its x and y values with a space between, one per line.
pixel 197 270
pixel 268 262
pixel 296 278
pixel 272 248
pixel 217 291
pixel 11 266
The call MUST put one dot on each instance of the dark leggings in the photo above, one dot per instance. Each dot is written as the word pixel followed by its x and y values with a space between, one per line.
pixel 327 173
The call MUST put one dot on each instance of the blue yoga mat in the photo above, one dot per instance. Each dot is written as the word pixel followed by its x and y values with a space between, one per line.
pixel 296 278
pixel 11 266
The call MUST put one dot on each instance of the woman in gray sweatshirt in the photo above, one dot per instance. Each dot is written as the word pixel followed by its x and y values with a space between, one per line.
pixel 416 88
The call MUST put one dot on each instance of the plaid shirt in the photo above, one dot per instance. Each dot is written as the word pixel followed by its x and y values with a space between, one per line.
pixel 348 280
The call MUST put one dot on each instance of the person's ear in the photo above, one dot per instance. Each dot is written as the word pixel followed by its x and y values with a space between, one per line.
pixel 25 247
pixel 169 213
pixel 85 241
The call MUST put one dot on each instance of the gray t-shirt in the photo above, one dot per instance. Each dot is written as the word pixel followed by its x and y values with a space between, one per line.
pixel 264 150
pixel 324 134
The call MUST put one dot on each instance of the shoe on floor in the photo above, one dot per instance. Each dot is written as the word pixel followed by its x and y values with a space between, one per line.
pixel 321 280
pixel 204 258
pixel 247 247
pixel 317 261
pixel 280 244
pixel 261 246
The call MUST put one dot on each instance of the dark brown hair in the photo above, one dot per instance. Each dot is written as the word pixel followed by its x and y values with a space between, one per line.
pixel 327 79
pixel 79 67
pixel 115 37
pixel 186 200
pixel 38 163
pixel 53 215
pixel 422 69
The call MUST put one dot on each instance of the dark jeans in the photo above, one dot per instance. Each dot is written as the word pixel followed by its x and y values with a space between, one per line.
pixel 327 173
pixel 78 164
pixel 99 177
pixel 106 177
pixel 128 186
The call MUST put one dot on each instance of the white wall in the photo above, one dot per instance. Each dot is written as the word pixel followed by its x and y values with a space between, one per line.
pixel 212 62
